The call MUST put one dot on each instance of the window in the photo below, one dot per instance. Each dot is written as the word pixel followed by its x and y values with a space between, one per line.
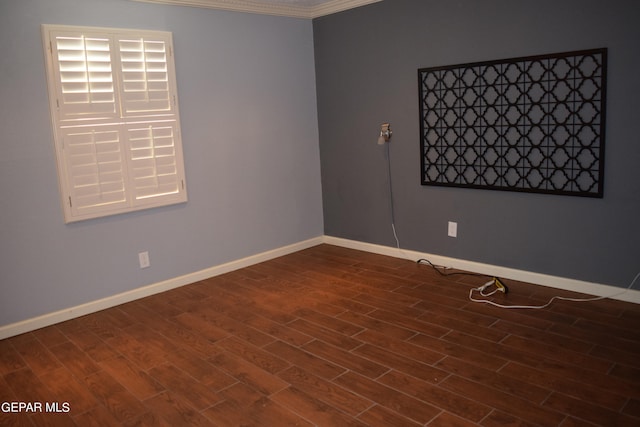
pixel 115 119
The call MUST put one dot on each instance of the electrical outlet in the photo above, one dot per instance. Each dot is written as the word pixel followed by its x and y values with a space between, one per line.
pixel 143 258
pixel 452 231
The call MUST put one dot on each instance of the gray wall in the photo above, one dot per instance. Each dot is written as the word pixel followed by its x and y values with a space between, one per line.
pixel 249 126
pixel 366 73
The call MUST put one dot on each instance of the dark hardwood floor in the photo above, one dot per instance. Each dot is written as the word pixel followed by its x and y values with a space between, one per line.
pixel 332 337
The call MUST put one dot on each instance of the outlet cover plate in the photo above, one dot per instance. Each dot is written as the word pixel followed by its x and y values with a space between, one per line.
pixel 143 259
pixel 452 231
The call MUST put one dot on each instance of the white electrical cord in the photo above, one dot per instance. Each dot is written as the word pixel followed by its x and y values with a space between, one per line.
pixel 482 288
pixel 393 219
pixel 538 307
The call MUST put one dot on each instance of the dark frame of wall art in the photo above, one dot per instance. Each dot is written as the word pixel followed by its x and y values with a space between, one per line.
pixel 530 124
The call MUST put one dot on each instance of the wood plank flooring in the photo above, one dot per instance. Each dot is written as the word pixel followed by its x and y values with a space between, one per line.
pixel 332 337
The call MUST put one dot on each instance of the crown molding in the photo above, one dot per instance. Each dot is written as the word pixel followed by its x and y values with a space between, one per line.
pixel 267 8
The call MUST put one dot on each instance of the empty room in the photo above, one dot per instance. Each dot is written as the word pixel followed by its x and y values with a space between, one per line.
pixel 320 212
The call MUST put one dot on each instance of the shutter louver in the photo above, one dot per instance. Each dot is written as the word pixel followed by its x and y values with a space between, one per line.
pixel 116 121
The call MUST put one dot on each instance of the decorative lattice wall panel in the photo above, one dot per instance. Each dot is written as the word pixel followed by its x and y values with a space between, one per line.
pixel 533 124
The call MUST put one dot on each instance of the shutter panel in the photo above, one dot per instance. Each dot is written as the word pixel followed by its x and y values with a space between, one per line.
pixel 94 160
pixel 145 76
pixel 155 164
pixel 85 76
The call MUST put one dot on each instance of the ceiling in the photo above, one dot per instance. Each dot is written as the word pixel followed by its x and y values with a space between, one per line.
pixel 294 8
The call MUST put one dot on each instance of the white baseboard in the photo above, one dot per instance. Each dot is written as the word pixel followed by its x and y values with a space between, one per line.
pixel 590 288
pixel 491 270
pixel 145 291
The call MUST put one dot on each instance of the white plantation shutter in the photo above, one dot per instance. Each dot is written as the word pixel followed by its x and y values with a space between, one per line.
pixel 145 76
pixel 94 161
pixel 86 80
pixel 153 168
pixel 115 116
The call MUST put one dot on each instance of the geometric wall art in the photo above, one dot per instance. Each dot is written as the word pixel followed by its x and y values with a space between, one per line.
pixel 531 124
